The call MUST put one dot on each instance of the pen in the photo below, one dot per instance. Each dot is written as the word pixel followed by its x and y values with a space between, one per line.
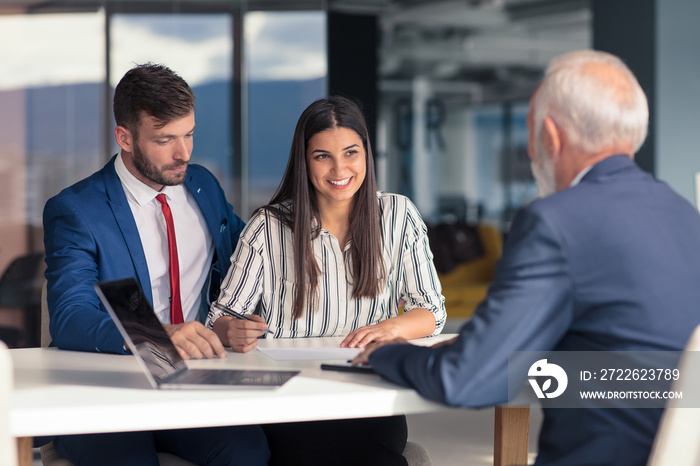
pixel 237 315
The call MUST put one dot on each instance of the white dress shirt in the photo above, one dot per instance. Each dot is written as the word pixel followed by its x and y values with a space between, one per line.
pixel 262 269
pixel 195 246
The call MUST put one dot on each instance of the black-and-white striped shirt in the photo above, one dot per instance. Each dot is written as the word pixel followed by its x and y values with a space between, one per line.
pixel 262 267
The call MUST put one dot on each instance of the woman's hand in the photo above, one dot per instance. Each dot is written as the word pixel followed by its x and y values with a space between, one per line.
pixel 363 336
pixel 240 335
pixel 416 323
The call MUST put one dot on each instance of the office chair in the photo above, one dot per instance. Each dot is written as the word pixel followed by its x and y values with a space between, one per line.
pixel 416 455
pixel 49 455
pixel 19 288
pixel 466 285
pixel 677 441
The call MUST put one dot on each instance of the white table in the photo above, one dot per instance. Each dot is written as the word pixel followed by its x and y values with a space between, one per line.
pixel 64 392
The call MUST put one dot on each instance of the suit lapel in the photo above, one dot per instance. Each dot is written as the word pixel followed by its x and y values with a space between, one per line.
pixel 211 216
pixel 127 225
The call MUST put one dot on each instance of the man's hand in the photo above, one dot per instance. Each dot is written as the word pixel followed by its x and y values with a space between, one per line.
pixel 241 335
pixel 363 357
pixel 194 341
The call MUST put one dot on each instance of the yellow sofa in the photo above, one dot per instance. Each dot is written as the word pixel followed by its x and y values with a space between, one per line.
pixel 466 285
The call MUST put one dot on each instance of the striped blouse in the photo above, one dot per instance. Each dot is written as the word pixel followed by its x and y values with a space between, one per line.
pixel 262 268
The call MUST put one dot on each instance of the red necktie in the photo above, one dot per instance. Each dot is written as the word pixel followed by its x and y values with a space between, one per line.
pixel 175 304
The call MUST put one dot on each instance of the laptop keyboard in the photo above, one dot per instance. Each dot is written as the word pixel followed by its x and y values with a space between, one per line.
pixel 204 376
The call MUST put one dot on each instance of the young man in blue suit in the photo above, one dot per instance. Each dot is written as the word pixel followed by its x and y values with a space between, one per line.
pixel 113 225
pixel 607 260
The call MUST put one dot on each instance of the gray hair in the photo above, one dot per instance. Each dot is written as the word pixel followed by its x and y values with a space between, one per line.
pixel 594 113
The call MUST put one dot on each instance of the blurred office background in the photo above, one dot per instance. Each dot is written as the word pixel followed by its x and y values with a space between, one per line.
pixel 444 83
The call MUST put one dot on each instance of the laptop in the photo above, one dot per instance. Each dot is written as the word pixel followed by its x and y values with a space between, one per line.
pixel 157 356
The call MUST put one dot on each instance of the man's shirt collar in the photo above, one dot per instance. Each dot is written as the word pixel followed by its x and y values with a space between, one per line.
pixel 141 192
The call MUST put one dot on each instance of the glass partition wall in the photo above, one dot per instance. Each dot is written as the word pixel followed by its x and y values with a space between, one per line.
pixel 286 68
pixel 252 71
pixel 199 48
pixel 50 116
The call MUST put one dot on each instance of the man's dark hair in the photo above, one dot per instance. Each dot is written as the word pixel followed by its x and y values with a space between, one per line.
pixel 155 90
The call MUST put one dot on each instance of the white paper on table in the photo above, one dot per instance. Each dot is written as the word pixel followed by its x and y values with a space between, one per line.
pixel 311 354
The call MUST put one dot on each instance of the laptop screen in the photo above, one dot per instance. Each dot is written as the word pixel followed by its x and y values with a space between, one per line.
pixel 145 335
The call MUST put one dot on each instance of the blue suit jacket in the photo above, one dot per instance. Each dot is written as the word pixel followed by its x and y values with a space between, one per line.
pixel 610 264
pixel 90 235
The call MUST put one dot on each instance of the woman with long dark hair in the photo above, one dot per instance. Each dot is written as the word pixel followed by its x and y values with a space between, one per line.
pixel 329 255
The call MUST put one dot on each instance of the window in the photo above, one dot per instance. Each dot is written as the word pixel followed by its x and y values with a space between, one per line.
pixel 50 117
pixel 56 123
pixel 285 57
pixel 198 47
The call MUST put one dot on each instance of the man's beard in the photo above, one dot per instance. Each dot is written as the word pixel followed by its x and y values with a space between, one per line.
pixel 150 171
pixel 543 171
